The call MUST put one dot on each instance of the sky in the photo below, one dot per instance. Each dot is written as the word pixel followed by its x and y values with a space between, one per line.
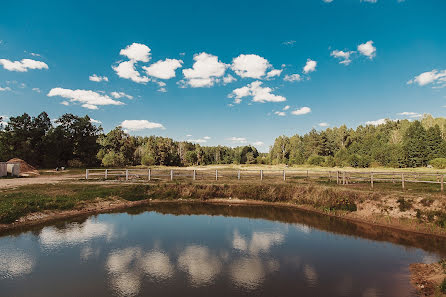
pixel 227 72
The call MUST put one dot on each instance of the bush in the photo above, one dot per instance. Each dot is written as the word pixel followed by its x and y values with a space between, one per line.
pixel 315 160
pixel 438 163
pixel 75 163
pixel 443 286
pixel 329 162
pixel 147 160
pixel 112 159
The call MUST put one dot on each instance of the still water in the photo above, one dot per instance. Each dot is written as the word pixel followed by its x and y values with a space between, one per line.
pixel 210 250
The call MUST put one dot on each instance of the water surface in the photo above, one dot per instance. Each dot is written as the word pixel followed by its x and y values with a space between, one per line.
pixel 210 250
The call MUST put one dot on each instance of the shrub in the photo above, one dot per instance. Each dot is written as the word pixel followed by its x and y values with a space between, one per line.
pixel 404 205
pixel 112 159
pixel 443 286
pixel 147 160
pixel 75 163
pixel 438 163
pixel 315 160
pixel 329 162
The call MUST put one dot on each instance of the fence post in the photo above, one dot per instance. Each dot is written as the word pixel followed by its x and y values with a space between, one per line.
pixel 402 180
pixel 261 174
pixel 371 179
pixel 238 174
pixel 195 175
pixel 442 182
pixel 106 174
pixel 337 177
pixel 126 174
pixel 149 173
pixel 86 173
pixel 216 174
pixel 307 174
pixel 284 175
pixel 343 177
pixel 171 174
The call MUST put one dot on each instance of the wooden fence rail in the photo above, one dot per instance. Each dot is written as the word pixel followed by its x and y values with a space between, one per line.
pixel 340 176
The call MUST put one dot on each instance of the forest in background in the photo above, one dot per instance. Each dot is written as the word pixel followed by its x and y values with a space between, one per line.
pixel 74 141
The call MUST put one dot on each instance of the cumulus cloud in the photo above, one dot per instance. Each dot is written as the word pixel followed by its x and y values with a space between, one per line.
pixel 273 73
pixel 258 93
pixel 118 95
pixel 237 139
pixel 292 77
pixel 323 124
pixel 23 65
pixel 367 49
pixel 205 71
pixel 258 143
pixel 377 122
pixel 228 79
pixel 88 99
pixel 127 70
pixel 286 107
pixel 163 69
pixel 137 125
pixel 97 78
pixel 410 114
pixel 280 113
pixel 5 89
pixel 301 111
pixel 310 66
pixel 343 56
pixel 250 66
pixel 136 52
pixel 93 121
pixel 434 77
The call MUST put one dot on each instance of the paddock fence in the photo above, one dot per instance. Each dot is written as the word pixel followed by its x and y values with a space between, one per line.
pixel 340 177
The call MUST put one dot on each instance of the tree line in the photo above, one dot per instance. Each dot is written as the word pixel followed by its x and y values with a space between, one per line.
pixel 75 142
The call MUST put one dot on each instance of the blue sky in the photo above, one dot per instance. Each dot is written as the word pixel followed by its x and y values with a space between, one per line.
pixel 237 72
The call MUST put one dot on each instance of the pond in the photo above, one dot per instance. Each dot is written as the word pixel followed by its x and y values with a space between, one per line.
pixel 197 249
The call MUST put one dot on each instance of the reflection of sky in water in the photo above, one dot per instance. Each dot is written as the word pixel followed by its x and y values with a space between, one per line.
pixel 168 255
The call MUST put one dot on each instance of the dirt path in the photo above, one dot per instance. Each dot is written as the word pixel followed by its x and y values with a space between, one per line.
pixel 43 179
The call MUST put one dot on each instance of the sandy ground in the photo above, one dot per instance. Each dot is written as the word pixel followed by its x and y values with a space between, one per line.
pixel 38 180
pixel 426 278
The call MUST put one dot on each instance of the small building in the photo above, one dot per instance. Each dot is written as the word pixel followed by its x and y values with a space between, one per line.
pixel 3 169
pixel 13 169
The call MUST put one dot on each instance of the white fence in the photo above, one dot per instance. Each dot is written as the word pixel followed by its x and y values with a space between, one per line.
pixel 341 177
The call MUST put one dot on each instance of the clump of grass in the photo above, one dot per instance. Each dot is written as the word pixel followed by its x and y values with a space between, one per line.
pixel 404 205
pixel 427 201
pixel 443 286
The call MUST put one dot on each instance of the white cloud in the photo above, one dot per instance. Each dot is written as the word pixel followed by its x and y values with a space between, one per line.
pixel 411 114
pixel 127 70
pixel 371 1
pixel 274 72
pixel 258 93
pixel 229 79
pixel 205 71
pixel 310 66
pixel 289 42
pixel 23 65
pixel 93 121
pixel 280 113
pixel 435 77
pixel 118 95
pixel 97 78
pixel 377 122
pixel 207 137
pixel 200 140
pixel 292 77
pixel 5 89
pixel 324 124
pixel 286 107
pixel 258 143
pixel 237 139
pixel 344 57
pixel 88 99
pixel 163 69
pixel 66 103
pixel 137 125
pixel 327 1
pixel 36 90
pixel 252 66
pixel 136 52
pixel 35 55
pixel 189 135
pixel 367 49
pixel 301 111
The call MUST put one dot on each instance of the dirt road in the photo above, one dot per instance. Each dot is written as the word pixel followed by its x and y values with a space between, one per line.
pixel 43 179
